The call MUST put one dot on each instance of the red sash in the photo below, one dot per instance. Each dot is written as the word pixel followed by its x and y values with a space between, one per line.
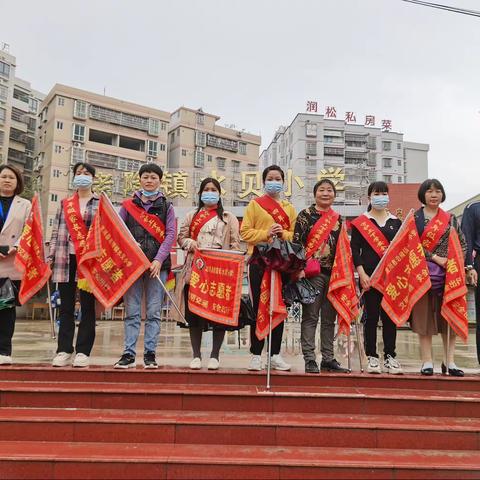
pixel 434 230
pixel 275 210
pixel 76 226
pixel 199 220
pixel 372 234
pixel 320 231
pixel 151 223
pixel 77 230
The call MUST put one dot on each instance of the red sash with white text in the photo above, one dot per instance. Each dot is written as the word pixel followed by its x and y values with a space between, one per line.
pixel 275 210
pixel 320 231
pixel 435 229
pixel 372 234
pixel 151 223
pixel 199 220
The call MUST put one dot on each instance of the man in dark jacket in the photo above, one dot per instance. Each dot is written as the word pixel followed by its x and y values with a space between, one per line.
pixel 151 220
pixel 471 229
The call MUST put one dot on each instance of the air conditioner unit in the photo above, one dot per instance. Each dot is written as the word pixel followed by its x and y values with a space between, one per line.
pixel 150 159
pixel 77 144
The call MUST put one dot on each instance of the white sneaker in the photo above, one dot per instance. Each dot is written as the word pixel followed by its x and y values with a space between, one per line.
pixel 81 360
pixel 196 363
pixel 373 365
pixel 255 363
pixel 392 366
pixel 278 363
pixel 213 364
pixel 5 360
pixel 62 359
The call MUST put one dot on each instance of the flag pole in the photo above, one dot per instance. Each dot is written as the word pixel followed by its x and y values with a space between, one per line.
pixel 359 343
pixel 171 298
pixel 349 360
pixel 448 349
pixel 50 311
pixel 269 357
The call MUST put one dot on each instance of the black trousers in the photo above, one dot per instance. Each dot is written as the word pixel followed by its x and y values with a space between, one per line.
pixel 374 311
pixel 7 324
pixel 86 329
pixel 477 304
pixel 255 274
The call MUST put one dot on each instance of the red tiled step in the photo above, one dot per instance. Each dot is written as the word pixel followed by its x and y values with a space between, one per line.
pixel 107 460
pixel 240 398
pixel 276 429
pixel 166 375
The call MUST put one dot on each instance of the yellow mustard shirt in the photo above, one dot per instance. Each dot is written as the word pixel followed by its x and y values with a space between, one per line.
pixel 256 223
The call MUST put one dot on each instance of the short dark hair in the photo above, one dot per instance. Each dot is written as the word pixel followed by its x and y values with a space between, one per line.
pixel 378 187
pixel 20 182
pixel 321 182
pixel 427 184
pixel 151 168
pixel 89 168
pixel 270 169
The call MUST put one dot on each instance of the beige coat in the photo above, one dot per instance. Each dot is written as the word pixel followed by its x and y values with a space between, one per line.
pixel 10 235
pixel 214 234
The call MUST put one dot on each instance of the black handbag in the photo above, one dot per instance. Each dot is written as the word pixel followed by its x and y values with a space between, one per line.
pixel 7 294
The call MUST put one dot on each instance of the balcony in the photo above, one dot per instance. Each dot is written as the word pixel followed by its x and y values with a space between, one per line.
pixel 16 156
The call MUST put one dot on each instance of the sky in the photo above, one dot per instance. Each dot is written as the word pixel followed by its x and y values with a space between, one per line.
pixel 255 63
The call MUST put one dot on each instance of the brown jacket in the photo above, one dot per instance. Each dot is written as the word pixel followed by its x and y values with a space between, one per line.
pixel 226 235
pixel 10 235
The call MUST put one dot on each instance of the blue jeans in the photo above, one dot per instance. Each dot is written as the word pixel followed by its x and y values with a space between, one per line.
pixel 133 309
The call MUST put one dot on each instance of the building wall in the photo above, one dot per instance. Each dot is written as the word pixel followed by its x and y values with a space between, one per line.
pixel 313 147
pixel 416 160
pixel 64 139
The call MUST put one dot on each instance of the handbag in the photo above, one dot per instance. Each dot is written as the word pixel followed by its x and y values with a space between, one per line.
pixel 313 268
pixel 7 295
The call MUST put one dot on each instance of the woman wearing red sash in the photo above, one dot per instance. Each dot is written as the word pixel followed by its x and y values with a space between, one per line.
pixel 70 229
pixel 318 228
pixel 265 217
pixel 372 232
pixel 207 227
pixel 434 225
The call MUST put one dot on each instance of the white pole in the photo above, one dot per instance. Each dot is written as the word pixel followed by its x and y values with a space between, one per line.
pixel 171 298
pixel 50 310
pixel 269 358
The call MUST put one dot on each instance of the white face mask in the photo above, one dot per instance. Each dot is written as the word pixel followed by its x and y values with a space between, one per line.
pixel 379 202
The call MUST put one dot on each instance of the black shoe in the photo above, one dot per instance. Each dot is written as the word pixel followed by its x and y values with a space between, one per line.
pixel 311 366
pixel 428 372
pixel 453 372
pixel 149 360
pixel 333 366
pixel 126 361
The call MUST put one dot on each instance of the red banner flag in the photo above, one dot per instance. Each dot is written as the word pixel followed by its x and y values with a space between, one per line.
pixel 341 290
pixel 30 257
pixel 454 304
pixel 216 286
pixel 112 260
pixel 402 274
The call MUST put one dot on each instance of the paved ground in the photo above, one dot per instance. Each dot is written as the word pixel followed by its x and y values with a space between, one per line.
pixel 33 344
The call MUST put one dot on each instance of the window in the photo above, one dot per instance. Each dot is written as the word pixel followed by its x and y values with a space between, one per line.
pixel 200 119
pixel 32 123
pixel 221 163
pixel 53 197
pixel 242 148
pixel 60 101
pixel 400 179
pixel 2 136
pixel 3 114
pixel 162 147
pixel 311 148
pixel 387 146
pixel 78 132
pixel 199 160
pixel 184 152
pixel 59 125
pixel 78 155
pixel 50 222
pixel 32 105
pixel 236 166
pixel 153 126
pixel 56 173
pixel 80 109
pixel 399 162
pixel 4 69
pixel 58 149
pixel 311 129
pixel 163 125
pixel 3 93
pixel 200 139
pixel 172 137
pixel 209 158
pixel 387 162
pixel 399 146
pixel 387 178
pixel 152 148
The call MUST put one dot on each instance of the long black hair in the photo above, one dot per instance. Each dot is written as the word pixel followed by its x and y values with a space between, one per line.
pixel 219 188
pixel 377 187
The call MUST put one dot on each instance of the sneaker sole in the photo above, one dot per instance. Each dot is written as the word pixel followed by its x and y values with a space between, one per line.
pixel 80 366
pixel 393 372
pixel 378 372
pixel 150 366
pixel 250 369
pixel 125 367
pixel 281 369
